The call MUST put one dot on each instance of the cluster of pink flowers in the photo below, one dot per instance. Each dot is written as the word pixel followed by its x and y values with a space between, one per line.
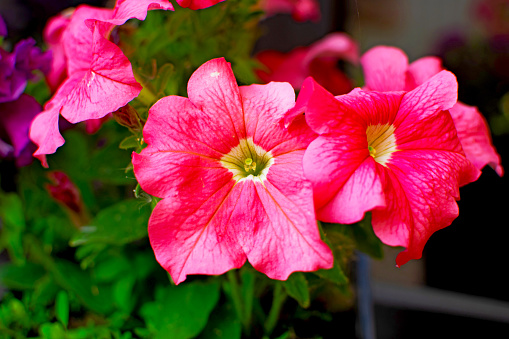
pixel 243 174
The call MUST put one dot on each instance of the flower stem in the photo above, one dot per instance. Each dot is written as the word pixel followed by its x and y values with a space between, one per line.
pixel 278 300
pixel 237 298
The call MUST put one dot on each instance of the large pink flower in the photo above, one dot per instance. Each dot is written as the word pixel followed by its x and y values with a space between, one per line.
pixel 318 60
pixel 231 180
pixel 100 77
pixel 395 153
pixel 387 69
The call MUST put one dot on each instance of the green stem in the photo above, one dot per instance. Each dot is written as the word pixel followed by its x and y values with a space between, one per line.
pixel 237 297
pixel 278 300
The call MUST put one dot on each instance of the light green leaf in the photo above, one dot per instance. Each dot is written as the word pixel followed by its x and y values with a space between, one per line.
pixel 62 308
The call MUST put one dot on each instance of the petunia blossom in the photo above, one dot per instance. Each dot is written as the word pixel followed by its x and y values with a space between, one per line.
pixel 197 4
pixel 230 178
pixel 100 77
pixel 393 153
pixel 387 69
pixel 318 60
pixel 301 10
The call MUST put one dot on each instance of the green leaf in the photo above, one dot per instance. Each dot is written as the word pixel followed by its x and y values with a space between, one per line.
pixel 62 308
pixel 223 323
pixel 70 277
pixel 335 275
pixel 297 287
pixel 366 239
pixel 123 293
pixel 21 277
pixel 13 220
pixel 181 311
pixel 130 142
pixel 119 224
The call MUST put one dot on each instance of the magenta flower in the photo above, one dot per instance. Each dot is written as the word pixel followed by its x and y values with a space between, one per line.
pixel 301 10
pixel 15 119
pixel 387 69
pixel 197 4
pixel 53 37
pixel 231 180
pixel 100 77
pixel 318 60
pixel 394 153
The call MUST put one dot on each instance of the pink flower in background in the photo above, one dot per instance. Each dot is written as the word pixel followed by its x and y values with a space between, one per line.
pixel 387 69
pixel 318 60
pixel 99 76
pixel 301 10
pixel 395 153
pixel 52 35
pixel 231 180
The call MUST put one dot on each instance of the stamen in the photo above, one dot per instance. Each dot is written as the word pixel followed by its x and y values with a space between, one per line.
pixel 249 165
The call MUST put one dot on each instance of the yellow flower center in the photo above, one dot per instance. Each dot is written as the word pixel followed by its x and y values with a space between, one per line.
pixel 381 142
pixel 248 161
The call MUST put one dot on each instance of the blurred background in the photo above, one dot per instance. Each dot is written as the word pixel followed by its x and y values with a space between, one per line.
pixel 469 257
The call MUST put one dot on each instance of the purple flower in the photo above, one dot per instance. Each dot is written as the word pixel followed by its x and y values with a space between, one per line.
pixel 17 68
pixel 17 109
pixel 15 119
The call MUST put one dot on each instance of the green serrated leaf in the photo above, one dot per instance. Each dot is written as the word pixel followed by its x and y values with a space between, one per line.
pixel 62 308
pixel 297 287
pixel 181 311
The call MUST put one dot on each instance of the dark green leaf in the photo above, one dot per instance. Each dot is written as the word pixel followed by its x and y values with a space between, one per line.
pixel 297 287
pixel 21 277
pixel 119 224
pixel 223 323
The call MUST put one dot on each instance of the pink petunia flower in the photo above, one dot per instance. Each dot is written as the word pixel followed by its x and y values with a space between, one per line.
pixel 394 153
pixel 387 69
pixel 318 60
pixel 231 180
pixel 301 10
pixel 100 77
pixel 197 4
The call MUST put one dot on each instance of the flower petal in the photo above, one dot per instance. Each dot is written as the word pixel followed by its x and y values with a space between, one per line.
pixel 44 133
pixel 16 117
pixel 475 137
pixel 385 69
pixel 279 234
pixel 264 106
pixel 191 233
pixel 421 187
pixel 361 193
pixel 197 4
pixel 421 70
pixel 435 95
pixel 214 90
pixel 105 86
